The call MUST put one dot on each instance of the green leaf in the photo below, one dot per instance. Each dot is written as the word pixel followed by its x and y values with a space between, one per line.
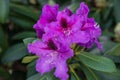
pixel 89 73
pixel 46 76
pixel 97 62
pixel 4 74
pixel 117 10
pixel 106 44
pixel 72 77
pixel 31 69
pixel 74 6
pixel 115 51
pixel 14 53
pixel 4 10
pixel 23 35
pixel 29 59
pixel 25 10
pixel 24 23
pixel 28 40
pixel 108 76
pixel 107 13
pixel 3 41
pixel 74 72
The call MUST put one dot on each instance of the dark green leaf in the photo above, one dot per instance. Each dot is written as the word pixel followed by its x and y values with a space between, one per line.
pixel 31 69
pixel 28 40
pixel 23 35
pixel 24 10
pixel 46 76
pixel 117 10
pixel 97 62
pixel 89 73
pixel 3 41
pixel 108 76
pixel 3 73
pixel 74 72
pixel 4 10
pixel 115 51
pixel 22 22
pixel 72 77
pixel 14 53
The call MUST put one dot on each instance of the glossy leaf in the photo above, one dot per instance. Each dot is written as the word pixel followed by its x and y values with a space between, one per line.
pixel 14 53
pixel 47 76
pixel 25 23
pixel 89 73
pixel 115 51
pixel 117 10
pixel 24 10
pixel 4 10
pixel 31 69
pixel 108 76
pixel 28 59
pixel 23 35
pixel 97 62
pixel 3 41
pixel 28 40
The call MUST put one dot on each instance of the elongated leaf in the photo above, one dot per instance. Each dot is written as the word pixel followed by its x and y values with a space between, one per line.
pixel 22 22
pixel 3 41
pixel 89 73
pixel 108 76
pixel 115 51
pixel 117 10
pixel 28 40
pixel 16 52
pixel 47 76
pixel 4 10
pixel 97 62
pixel 24 10
pixel 31 69
pixel 72 77
pixel 23 35
pixel 29 59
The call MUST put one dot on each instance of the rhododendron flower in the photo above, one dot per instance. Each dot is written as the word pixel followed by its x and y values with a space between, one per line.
pixel 89 26
pixel 52 54
pixel 58 30
pixel 48 15
pixel 94 31
pixel 65 28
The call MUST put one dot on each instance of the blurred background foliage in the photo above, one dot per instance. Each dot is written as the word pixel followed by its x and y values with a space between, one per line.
pixel 16 23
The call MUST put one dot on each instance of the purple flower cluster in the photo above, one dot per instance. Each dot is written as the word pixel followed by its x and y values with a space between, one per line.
pixel 58 30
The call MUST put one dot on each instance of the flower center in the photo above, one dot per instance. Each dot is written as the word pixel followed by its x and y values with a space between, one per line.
pixel 63 23
pixel 52 45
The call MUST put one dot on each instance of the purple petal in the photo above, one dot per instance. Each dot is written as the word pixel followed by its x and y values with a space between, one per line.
pixel 80 37
pixel 68 12
pixel 38 48
pixel 39 30
pixel 61 70
pixel 99 45
pixel 49 13
pixel 43 65
pixel 83 10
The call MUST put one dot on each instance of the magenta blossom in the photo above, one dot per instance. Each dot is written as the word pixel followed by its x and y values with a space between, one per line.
pixel 58 30
pixel 48 15
pixel 94 31
pixel 66 29
pixel 89 26
pixel 52 55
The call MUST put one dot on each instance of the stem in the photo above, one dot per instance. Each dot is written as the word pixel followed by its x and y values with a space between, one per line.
pixel 73 71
